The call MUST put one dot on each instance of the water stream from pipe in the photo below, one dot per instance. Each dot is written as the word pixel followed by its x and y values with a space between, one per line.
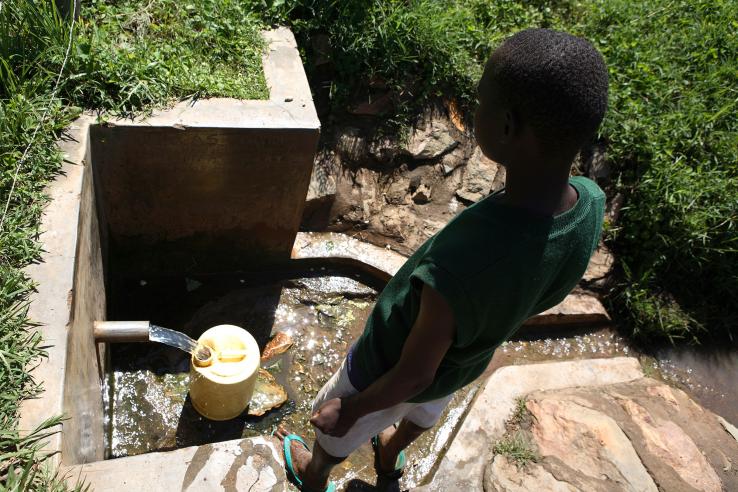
pixel 178 340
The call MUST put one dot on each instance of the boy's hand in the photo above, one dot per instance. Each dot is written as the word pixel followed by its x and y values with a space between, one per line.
pixel 333 418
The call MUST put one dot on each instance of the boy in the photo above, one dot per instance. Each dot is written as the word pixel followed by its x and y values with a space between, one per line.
pixel 471 286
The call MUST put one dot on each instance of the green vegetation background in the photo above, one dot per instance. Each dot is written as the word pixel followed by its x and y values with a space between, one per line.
pixel 670 131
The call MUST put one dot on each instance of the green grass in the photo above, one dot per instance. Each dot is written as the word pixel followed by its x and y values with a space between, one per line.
pixel 131 55
pixel 516 448
pixel 127 57
pixel 670 130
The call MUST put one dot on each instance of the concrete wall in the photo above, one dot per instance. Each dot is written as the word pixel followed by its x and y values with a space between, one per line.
pixel 69 295
pixel 83 439
pixel 201 199
pixel 214 185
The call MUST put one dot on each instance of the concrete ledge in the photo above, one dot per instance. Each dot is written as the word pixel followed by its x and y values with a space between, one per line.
pixel 576 309
pixel 462 467
pixel 383 262
pixel 51 306
pixel 253 465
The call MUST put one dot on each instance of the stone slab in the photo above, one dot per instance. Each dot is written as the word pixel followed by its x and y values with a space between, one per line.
pixel 640 435
pixel 462 467
pixel 242 465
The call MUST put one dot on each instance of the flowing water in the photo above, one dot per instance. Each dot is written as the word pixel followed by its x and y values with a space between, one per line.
pixel 172 338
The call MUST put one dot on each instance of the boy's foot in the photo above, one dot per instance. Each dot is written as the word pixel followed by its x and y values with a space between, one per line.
pixel 301 458
pixel 387 463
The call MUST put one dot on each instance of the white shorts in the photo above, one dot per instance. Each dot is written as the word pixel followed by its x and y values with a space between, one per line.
pixel 421 414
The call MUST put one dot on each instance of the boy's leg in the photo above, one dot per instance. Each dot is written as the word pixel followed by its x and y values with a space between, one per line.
pixel 312 468
pixel 393 440
pixel 419 418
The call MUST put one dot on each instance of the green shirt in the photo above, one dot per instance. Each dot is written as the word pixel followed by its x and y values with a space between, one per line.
pixel 496 266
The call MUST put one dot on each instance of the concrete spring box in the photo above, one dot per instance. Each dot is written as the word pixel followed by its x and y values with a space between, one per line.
pixel 208 185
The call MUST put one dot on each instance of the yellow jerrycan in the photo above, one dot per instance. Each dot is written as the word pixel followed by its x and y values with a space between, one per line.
pixel 222 384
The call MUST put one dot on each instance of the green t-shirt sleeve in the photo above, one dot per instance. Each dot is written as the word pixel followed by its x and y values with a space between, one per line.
pixel 454 293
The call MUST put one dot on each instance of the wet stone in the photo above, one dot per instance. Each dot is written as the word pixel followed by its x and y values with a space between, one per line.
pixel 268 394
pixel 279 344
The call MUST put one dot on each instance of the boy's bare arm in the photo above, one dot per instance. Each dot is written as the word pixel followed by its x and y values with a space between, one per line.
pixel 425 347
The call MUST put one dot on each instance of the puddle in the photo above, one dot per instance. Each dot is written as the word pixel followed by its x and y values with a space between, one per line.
pixel 146 390
pixel 598 344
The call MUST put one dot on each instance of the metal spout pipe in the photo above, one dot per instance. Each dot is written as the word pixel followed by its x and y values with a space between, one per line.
pixel 121 331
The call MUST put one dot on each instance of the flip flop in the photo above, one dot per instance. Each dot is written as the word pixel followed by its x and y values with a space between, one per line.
pixel 395 474
pixel 287 449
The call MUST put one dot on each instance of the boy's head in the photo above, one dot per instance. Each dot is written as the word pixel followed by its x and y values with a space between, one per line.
pixel 540 87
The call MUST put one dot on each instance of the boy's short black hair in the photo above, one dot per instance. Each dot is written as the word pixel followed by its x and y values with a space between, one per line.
pixel 558 82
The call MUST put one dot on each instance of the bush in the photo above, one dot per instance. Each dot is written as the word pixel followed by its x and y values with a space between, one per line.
pixel 131 55
pixel 671 129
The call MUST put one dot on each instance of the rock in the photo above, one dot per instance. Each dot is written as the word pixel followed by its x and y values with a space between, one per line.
pixel 730 428
pixel 626 436
pixel 463 465
pixel 322 180
pixel 432 141
pixel 374 106
pixel 589 442
pixel 478 178
pixel 579 307
pixel 501 475
pixel 268 394
pixel 422 195
pixel 455 115
pixel 384 149
pixel 279 344
pixel 398 190
pixel 672 446
pixel 452 160
pixel 350 144
pixel 321 191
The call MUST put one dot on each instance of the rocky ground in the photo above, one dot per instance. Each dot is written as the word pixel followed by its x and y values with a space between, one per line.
pixel 400 190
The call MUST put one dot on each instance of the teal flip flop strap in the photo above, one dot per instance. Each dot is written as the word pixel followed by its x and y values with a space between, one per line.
pixel 287 448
